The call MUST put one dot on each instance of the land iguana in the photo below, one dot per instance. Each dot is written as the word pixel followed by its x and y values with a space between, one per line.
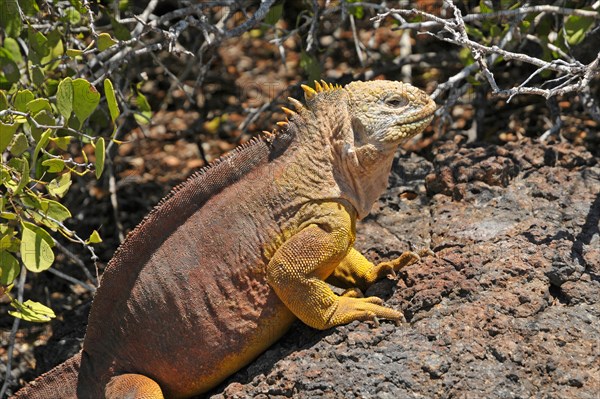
pixel 220 269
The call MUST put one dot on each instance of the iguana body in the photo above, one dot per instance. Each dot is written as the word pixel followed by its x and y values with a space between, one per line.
pixel 220 269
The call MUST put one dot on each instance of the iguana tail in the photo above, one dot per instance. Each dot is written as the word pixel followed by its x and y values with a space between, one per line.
pixel 60 382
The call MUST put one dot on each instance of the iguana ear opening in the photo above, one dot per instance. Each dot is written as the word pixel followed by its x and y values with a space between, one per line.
pixel 361 159
pixel 360 132
pixel 349 157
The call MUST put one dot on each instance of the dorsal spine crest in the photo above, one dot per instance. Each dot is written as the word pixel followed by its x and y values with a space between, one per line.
pixel 310 95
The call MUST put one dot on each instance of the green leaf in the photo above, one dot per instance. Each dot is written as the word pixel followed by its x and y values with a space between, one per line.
pixel 24 179
pixel 60 185
pixel 473 81
pixel 29 7
pixel 465 56
pixel 7 132
pixel 474 32
pixel 121 31
pixel 54 210
pixel 9 69
pixel 484 7
pixel 32 201
pixel 77 4
pixel 9 268
pixel 357 11
pixel 64 98
pixel 94 238
pixel 38 45
pixel 16 163
pixel 8 215
pixel 495 31
pixel 55 50
pixel 3 101
pixel 21 99
pixel 100 154
pixel 37 75
pixel 144 107
pixel 72 16
pixel 19 145
pixel 311 66
pixel 10 20
pixel 51 85
pixel 85 99
pixel 41 144
pixel 74 52
pixel 44 118
pixel 111 100
pixel 4 176
pixel 36 248
pixel 105 41
pixel 124 5
pixel 38 105
pixel 32 311
pixel 576 28
pixel 54 165
pixel 9 242
pixel 12 46
pixel 62 142
pixel 274 14
pixel 509 4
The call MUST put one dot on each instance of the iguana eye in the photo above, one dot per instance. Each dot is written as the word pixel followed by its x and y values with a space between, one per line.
pixel 395 102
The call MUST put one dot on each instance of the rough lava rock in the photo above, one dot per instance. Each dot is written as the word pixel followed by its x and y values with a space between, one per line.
pixel 507 308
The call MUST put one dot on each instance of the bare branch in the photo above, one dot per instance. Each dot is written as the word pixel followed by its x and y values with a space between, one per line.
pixel 71 279
pixel 453 30
pixel 75 259
pixel 86 5
pixel 548 9
pixel 43 126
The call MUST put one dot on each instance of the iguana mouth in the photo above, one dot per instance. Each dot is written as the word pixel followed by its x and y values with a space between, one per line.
pixel 410 128
pixel 418 120
pixel 423 116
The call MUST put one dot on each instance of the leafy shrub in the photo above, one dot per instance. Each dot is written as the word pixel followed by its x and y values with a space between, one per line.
pixel 54 124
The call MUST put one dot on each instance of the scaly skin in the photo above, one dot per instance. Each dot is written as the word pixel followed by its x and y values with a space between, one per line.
pixel 221 268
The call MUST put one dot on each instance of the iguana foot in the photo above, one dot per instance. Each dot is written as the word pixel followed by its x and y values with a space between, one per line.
pixel 132 386
pixel 356 271
pixel 364 309
pixel 389 268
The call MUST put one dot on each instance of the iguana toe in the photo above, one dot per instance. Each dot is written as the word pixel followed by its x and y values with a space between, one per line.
pixel 363 309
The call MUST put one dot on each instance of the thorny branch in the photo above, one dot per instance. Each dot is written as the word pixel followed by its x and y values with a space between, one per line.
pixel 453 30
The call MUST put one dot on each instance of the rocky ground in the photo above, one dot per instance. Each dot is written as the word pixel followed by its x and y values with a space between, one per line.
pixel 507 308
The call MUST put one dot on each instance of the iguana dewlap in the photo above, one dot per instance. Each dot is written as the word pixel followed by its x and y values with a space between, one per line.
pixel 219 270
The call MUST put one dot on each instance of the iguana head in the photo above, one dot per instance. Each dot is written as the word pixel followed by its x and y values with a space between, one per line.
pixel 385 113
pixel 350 135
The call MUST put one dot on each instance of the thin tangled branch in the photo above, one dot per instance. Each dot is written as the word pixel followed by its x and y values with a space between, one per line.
pixel 453 30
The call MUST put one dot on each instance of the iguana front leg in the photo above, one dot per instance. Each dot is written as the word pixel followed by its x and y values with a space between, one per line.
pixel 355 271
pixel 299 267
